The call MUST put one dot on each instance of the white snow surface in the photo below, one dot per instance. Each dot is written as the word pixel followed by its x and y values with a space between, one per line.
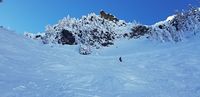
pixel 149 69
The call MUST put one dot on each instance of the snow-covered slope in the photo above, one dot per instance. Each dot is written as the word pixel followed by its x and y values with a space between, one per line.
pixel 149 69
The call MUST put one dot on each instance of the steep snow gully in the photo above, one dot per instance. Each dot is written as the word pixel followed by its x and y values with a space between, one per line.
pixel 148 69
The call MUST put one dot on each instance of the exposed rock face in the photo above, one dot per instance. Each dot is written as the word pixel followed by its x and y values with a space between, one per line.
pixel 108 16
pixel 138 31
pixel 67 38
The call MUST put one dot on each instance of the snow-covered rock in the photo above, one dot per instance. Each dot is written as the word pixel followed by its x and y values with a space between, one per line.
pixel 94 30
pixel 178 27
pixel 103 30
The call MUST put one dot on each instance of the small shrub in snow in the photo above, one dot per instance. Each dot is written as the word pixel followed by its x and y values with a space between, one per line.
pixel 85 50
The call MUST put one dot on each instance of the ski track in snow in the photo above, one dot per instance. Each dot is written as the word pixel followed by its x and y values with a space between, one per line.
pixel 149 69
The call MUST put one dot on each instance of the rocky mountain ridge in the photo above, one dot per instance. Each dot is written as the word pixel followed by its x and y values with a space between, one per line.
pixel 102 30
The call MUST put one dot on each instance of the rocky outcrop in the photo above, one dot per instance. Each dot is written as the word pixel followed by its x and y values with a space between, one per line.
pixel 138 31
pixel 66 38
pixel 108 16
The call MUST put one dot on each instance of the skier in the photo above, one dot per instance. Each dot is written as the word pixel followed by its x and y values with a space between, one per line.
pixel 120 59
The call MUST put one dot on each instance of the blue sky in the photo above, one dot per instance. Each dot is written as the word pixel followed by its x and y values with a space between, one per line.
pixel 34 15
